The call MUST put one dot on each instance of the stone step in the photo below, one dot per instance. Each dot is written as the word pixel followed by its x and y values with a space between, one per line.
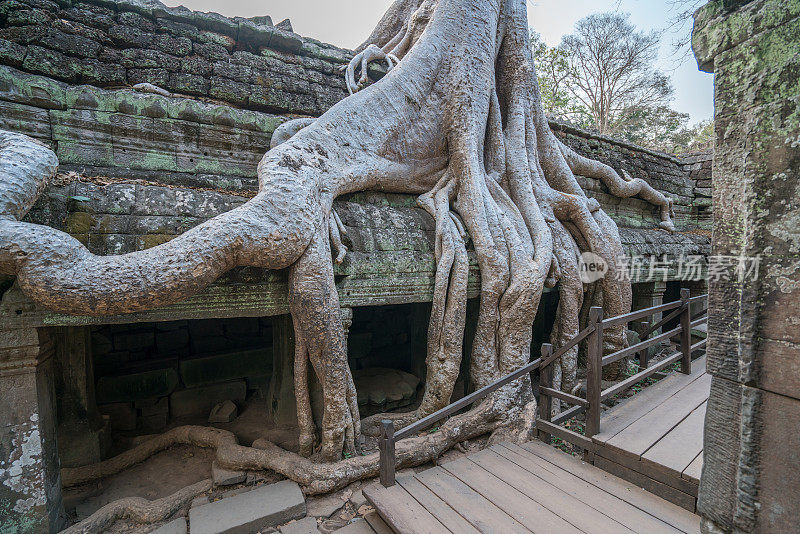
pixel 250 512
pixel 178 526
pixel 307 525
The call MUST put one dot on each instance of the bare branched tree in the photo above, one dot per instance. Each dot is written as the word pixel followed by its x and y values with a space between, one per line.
pixel 611 67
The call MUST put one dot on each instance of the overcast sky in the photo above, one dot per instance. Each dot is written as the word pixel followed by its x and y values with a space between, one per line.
pixel 347 23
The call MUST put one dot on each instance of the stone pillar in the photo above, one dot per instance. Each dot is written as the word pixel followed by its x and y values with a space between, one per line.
pixel 30 482
pixel 647 295
pixel 752 445
pixel 82 438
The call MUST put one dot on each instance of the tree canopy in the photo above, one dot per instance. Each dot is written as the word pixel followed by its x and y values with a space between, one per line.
pixel 603 77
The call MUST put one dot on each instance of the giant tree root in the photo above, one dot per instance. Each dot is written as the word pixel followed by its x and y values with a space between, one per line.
pixel 315 478
pixel 139 510
pixel 458 121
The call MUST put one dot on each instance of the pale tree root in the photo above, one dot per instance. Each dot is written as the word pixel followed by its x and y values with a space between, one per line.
pixel 448 310
pixel 139 510
pixel 316 478
pixel 623 187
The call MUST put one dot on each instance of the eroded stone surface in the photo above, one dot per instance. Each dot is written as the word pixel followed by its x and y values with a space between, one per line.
pixel 248 512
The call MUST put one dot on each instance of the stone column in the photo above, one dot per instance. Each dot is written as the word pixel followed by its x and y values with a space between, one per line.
pixel 647 295
pixel 30 482
pixel 752 445
pixel 81 434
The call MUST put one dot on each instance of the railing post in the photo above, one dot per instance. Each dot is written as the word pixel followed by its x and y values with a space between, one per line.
pixel 644 354
pixel 686 332
pixel 387 458
pixel 594 371
pixel 546 380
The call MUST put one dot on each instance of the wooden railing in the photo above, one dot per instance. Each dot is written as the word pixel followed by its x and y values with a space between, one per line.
pixel 593 333
pixel 548 425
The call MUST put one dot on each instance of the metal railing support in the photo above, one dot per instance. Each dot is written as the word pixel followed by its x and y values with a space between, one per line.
pixel 594 371
pixel 387 460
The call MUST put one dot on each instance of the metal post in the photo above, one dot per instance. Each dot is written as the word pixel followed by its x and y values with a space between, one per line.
pixel 594 371
pixel 387 458
pixel 686 332
pixel 545 380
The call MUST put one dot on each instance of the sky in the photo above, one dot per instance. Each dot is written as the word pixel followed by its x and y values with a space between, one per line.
pixel 347 23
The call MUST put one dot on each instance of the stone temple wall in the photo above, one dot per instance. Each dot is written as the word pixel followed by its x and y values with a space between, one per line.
pixel 751 463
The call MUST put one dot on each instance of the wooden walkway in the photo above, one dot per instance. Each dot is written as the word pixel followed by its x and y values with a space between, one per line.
pixel 530 488
pixel 655 438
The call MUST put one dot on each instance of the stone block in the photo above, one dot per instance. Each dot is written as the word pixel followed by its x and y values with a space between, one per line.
pixel 199 401
pixel 122 415
pixel 357 499
pixel 134 340
pixel 324 506
pixel 242 326
pixel 128 36
pixel 226 477
pixel 177 526
pixel 227 366
pixel 250 512
pixel 206 328
pixel 224 412
pixel 307 525
pixel 155 423
pixel 150 407
pixel 357 526
pixel 136 386
pixel 359 344
pixel 175 340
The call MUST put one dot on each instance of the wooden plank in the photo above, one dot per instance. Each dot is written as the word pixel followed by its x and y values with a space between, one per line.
pixel 666 511
pixel 550 496
pixel 566 397
pixel 532 514
pixel 378 524
pixel 576 439
pixel 633 408
pixel 475 508
pixel 436 506
pixel 634 462
pixel 665 491
pixel 680 446
pixel 693 472
pixel 648 429
pixel 403 513
pixel 627 514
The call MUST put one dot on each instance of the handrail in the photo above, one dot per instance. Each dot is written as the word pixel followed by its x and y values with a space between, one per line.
pixel 633 349
pixel 638 314
pixel 389 437
pixel 650 329
pixel 681 310
pixel 595 363
pixel 463 402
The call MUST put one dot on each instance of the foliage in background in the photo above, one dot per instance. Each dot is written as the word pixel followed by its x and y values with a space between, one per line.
pixel 603 78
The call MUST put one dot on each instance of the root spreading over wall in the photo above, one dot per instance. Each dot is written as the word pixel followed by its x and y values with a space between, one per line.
pixel 457 121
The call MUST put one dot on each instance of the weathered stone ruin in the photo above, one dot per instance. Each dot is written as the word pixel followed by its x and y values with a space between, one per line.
pixel 139 166
pixel 752 445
